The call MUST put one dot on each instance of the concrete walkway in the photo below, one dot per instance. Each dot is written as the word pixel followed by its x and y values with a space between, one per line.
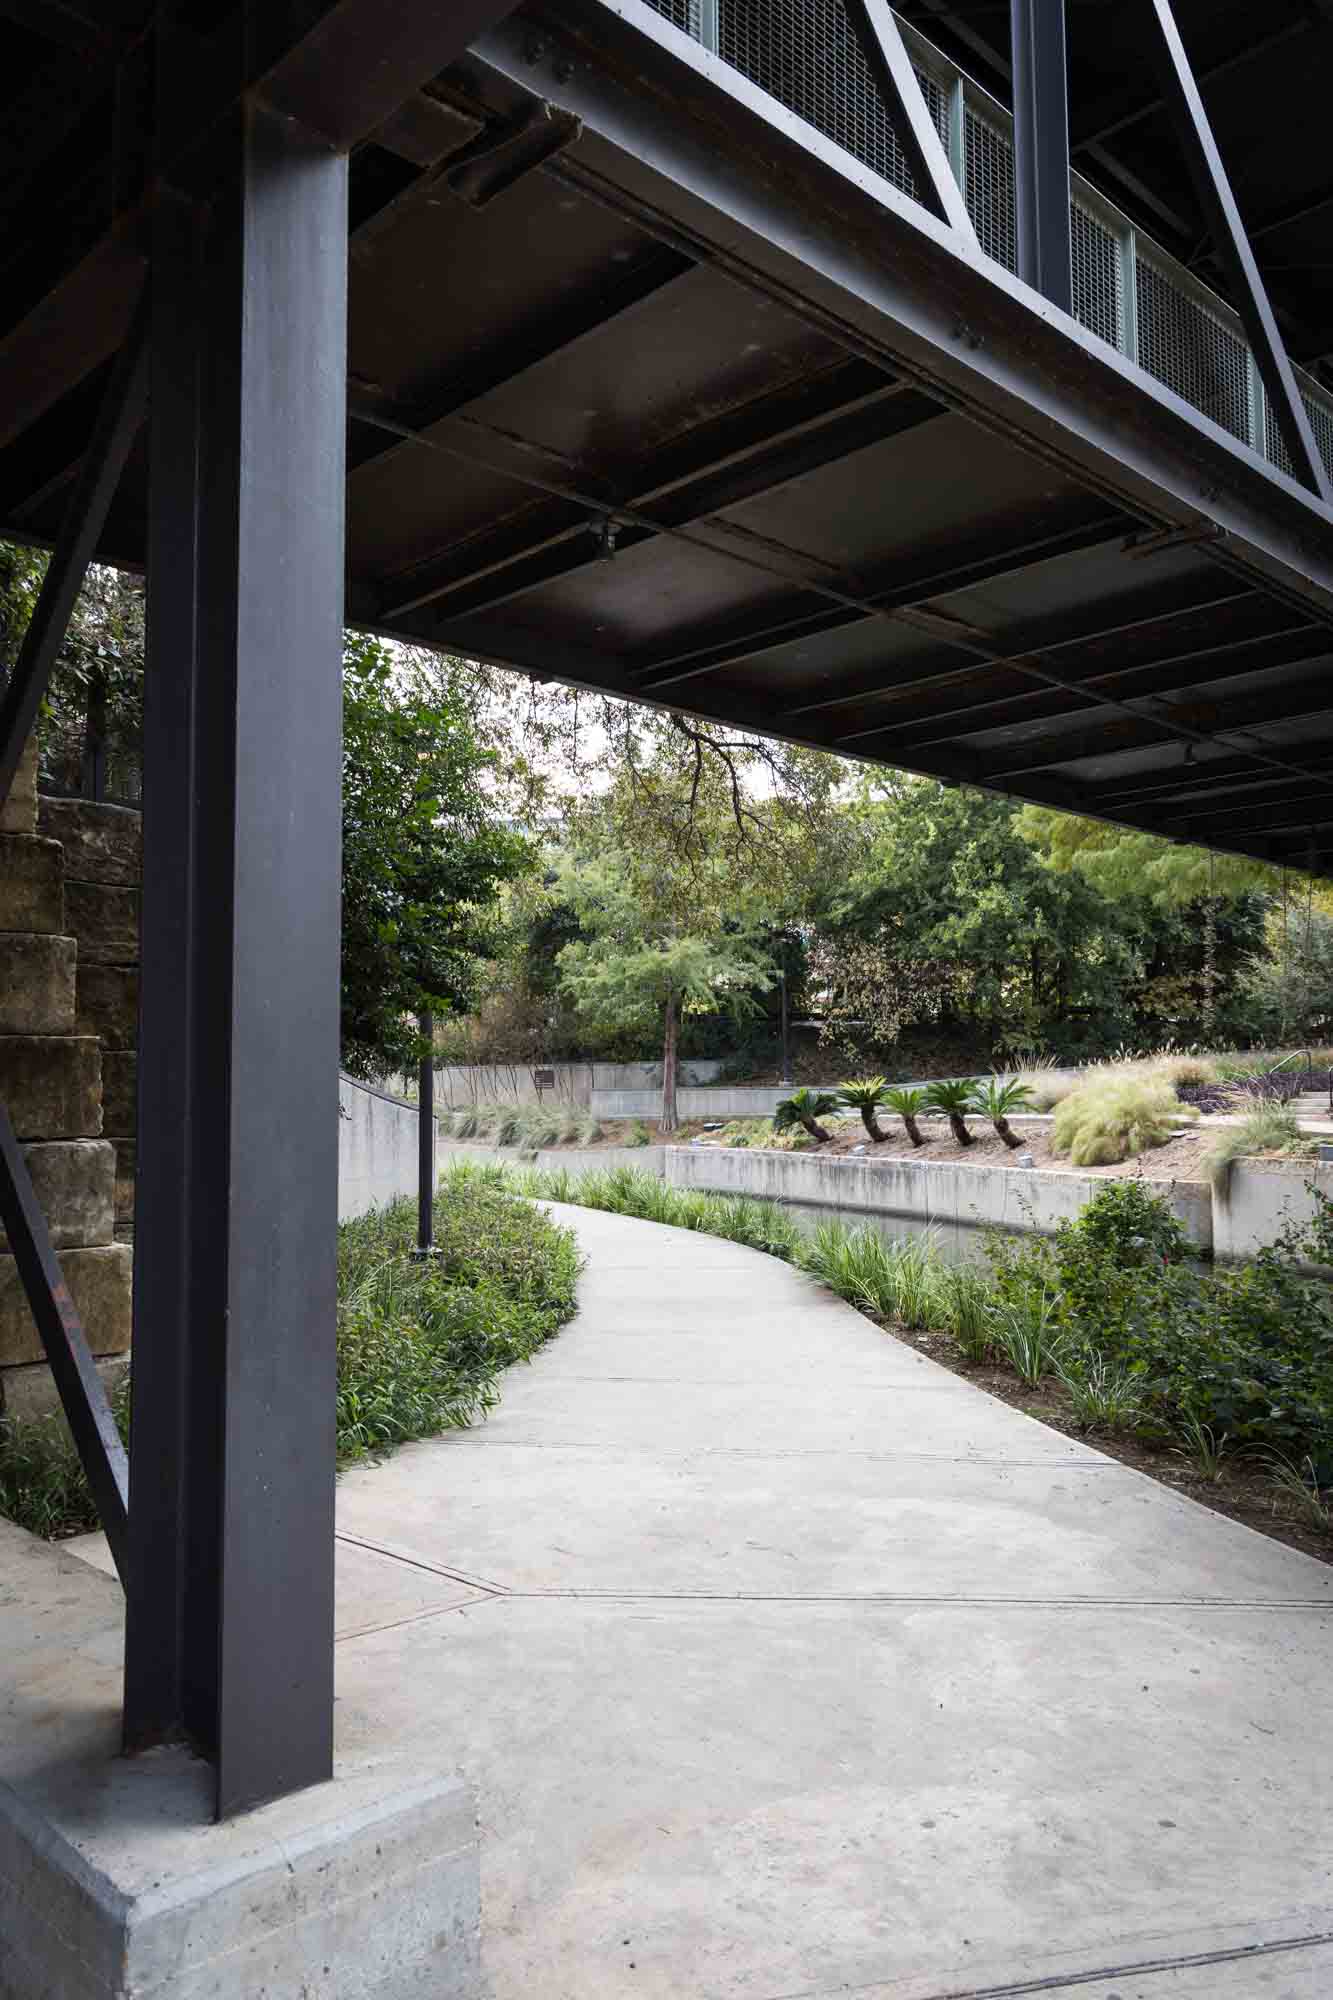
pixel 788 1665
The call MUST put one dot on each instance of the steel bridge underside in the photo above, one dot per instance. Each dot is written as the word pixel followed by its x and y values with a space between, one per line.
pixel 654 390
pixel 567 348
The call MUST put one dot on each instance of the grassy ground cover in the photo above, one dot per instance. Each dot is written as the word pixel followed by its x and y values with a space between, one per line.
pixel 1217 1380
pixel 420 1345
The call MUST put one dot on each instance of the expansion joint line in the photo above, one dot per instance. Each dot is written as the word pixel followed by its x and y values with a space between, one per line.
pixel 1067 1982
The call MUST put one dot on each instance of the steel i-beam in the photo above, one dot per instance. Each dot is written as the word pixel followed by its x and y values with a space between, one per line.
pixel 230 1591
pixel 1041 149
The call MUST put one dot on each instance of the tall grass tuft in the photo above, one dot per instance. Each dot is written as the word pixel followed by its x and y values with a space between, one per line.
pixel 1027 1335
pixel 1271 1129
pixel 1104 1394
pixel 964 1308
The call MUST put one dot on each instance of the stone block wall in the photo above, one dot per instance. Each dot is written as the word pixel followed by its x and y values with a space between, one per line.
pixel 103 859
pixel 51 1082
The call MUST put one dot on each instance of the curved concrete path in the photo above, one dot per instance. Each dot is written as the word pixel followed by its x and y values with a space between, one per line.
pixel 788 1665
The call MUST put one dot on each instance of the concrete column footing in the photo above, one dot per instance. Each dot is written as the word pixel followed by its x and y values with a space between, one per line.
pixel 116 1885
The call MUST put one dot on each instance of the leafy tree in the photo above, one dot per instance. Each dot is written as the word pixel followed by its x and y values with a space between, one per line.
pixel 94 699
pixel 680 872
pixel 944 910
pixel 425 854
pixel 1125 864
pixel 641 962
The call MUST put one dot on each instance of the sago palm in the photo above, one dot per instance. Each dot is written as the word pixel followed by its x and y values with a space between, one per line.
pixel 805 1108
pixel 995 1100
pixel 908 1104
pixel 954 1100
pixel 863 1094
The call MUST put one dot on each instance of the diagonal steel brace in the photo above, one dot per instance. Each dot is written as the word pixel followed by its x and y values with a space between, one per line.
pixel 81 1392
pixel 94 489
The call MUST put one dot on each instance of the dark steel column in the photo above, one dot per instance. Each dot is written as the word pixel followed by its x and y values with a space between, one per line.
pixel 230 1592
pixel 426 1142
pixel 1041 148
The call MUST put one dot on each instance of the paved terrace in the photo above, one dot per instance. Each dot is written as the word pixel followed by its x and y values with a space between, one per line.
pixel 789 1665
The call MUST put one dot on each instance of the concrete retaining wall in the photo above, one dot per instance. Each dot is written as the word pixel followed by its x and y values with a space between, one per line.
pixel 576 1160
pixel 1260 1201
pixel 377 1149
pixel 957 1203
pixel 742 1100
pixel 460 1084
pixel 735 1100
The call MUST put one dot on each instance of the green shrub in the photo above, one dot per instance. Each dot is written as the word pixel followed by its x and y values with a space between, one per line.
pixel 638 1134
pixel 1127 1221
pixel 1246 1351
pixel 419 1344
pixel 1105 1122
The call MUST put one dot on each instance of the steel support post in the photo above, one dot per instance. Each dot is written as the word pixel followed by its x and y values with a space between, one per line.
pixel 229 1639
pixel 426 1142
pixel 1041 149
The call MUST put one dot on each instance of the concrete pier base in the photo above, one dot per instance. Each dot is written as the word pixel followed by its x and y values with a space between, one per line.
pixel 115 1885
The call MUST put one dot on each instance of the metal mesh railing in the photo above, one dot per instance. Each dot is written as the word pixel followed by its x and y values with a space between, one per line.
pixel 1095 256
pixel 804 53
pixel 1131 294
pixel 1321 423
pixel 1191 350
pixel 686 14
pixel 988 188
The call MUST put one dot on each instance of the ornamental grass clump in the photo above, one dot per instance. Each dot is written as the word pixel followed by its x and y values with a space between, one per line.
pixel 1106 1122
pixel 1271 1129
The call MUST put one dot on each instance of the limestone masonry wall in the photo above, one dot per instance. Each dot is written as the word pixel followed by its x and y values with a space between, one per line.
pixel 51 1080
pixel 103 850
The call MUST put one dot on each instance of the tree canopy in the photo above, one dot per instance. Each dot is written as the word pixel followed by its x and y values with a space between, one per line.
pixel 426 851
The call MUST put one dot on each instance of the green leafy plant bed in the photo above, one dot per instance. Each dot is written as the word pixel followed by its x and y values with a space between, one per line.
pixel 420 1345
pixel 1218 1383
